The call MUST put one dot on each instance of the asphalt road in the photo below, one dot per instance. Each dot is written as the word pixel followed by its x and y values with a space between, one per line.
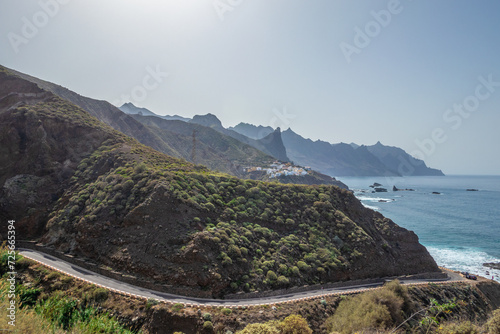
pixel 128 289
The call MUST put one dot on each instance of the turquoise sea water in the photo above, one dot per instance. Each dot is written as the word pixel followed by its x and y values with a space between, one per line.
pixel 460 228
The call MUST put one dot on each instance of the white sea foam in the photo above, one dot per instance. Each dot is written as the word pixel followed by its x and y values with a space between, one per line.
pixel 374 199
pixel 465 259
pixel 370 207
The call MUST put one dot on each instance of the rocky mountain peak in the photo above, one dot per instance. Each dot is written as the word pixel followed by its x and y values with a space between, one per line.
pixel 209 120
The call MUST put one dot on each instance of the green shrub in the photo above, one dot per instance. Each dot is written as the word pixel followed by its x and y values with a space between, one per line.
pixel 208 325
pixel 67 279
pixel 259 329
pixel 22 262
pixel 227 261
pixel 101 323
pixel 59 310
pixel 207 317
pixel 283 269
pixel 177 307
pixel 127 186
pixel 234 250
pixel 493 324
pixel 268 264
pixel 99 295
pixel 29 296
pixel 283 281
pixel 459 328
pixel 303 266
pixel 151 302
pixel 271 277
pixel 294 324
pixel 53 275
pixel 377 309
pixel 226 311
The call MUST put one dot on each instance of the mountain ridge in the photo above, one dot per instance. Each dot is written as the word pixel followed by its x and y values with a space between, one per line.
pixel 252 131
pixel 209 142
pixel 163 142
pixel 397 159
pixel 346 159
pixel 130 109
pixel 337 159
pixel 334 159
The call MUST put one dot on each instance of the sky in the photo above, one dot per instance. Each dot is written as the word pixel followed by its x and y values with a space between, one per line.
pixel 421 75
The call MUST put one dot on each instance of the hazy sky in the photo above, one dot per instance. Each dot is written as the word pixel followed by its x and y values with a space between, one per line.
pixel 421 75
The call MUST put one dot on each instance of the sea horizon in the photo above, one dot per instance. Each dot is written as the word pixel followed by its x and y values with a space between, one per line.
pixel 459 228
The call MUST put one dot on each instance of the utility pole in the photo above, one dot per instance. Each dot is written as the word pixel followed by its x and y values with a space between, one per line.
pixel 193 151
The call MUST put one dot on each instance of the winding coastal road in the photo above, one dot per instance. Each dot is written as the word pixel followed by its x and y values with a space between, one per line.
pixel 139 292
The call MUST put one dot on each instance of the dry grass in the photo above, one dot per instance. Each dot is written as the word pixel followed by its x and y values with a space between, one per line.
pixel 27 321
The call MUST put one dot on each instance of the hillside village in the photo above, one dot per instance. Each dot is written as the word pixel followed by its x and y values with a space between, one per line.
pixel 277 169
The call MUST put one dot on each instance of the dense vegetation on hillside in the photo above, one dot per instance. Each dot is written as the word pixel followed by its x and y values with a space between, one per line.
pixel 78 185
pixel 259 235
pixel 245 222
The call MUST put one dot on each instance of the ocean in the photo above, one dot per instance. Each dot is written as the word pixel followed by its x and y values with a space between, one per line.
pixel 459 228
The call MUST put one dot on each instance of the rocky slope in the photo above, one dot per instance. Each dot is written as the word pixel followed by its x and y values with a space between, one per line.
pixel 271 144
pixel 213 152
pixel 76 184
pixel 269 141
pixel 211 148
pixel 106 113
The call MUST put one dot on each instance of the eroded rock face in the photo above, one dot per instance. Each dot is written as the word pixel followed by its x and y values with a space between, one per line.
pixel 163 321
pixel 38 155
pixel 24 188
